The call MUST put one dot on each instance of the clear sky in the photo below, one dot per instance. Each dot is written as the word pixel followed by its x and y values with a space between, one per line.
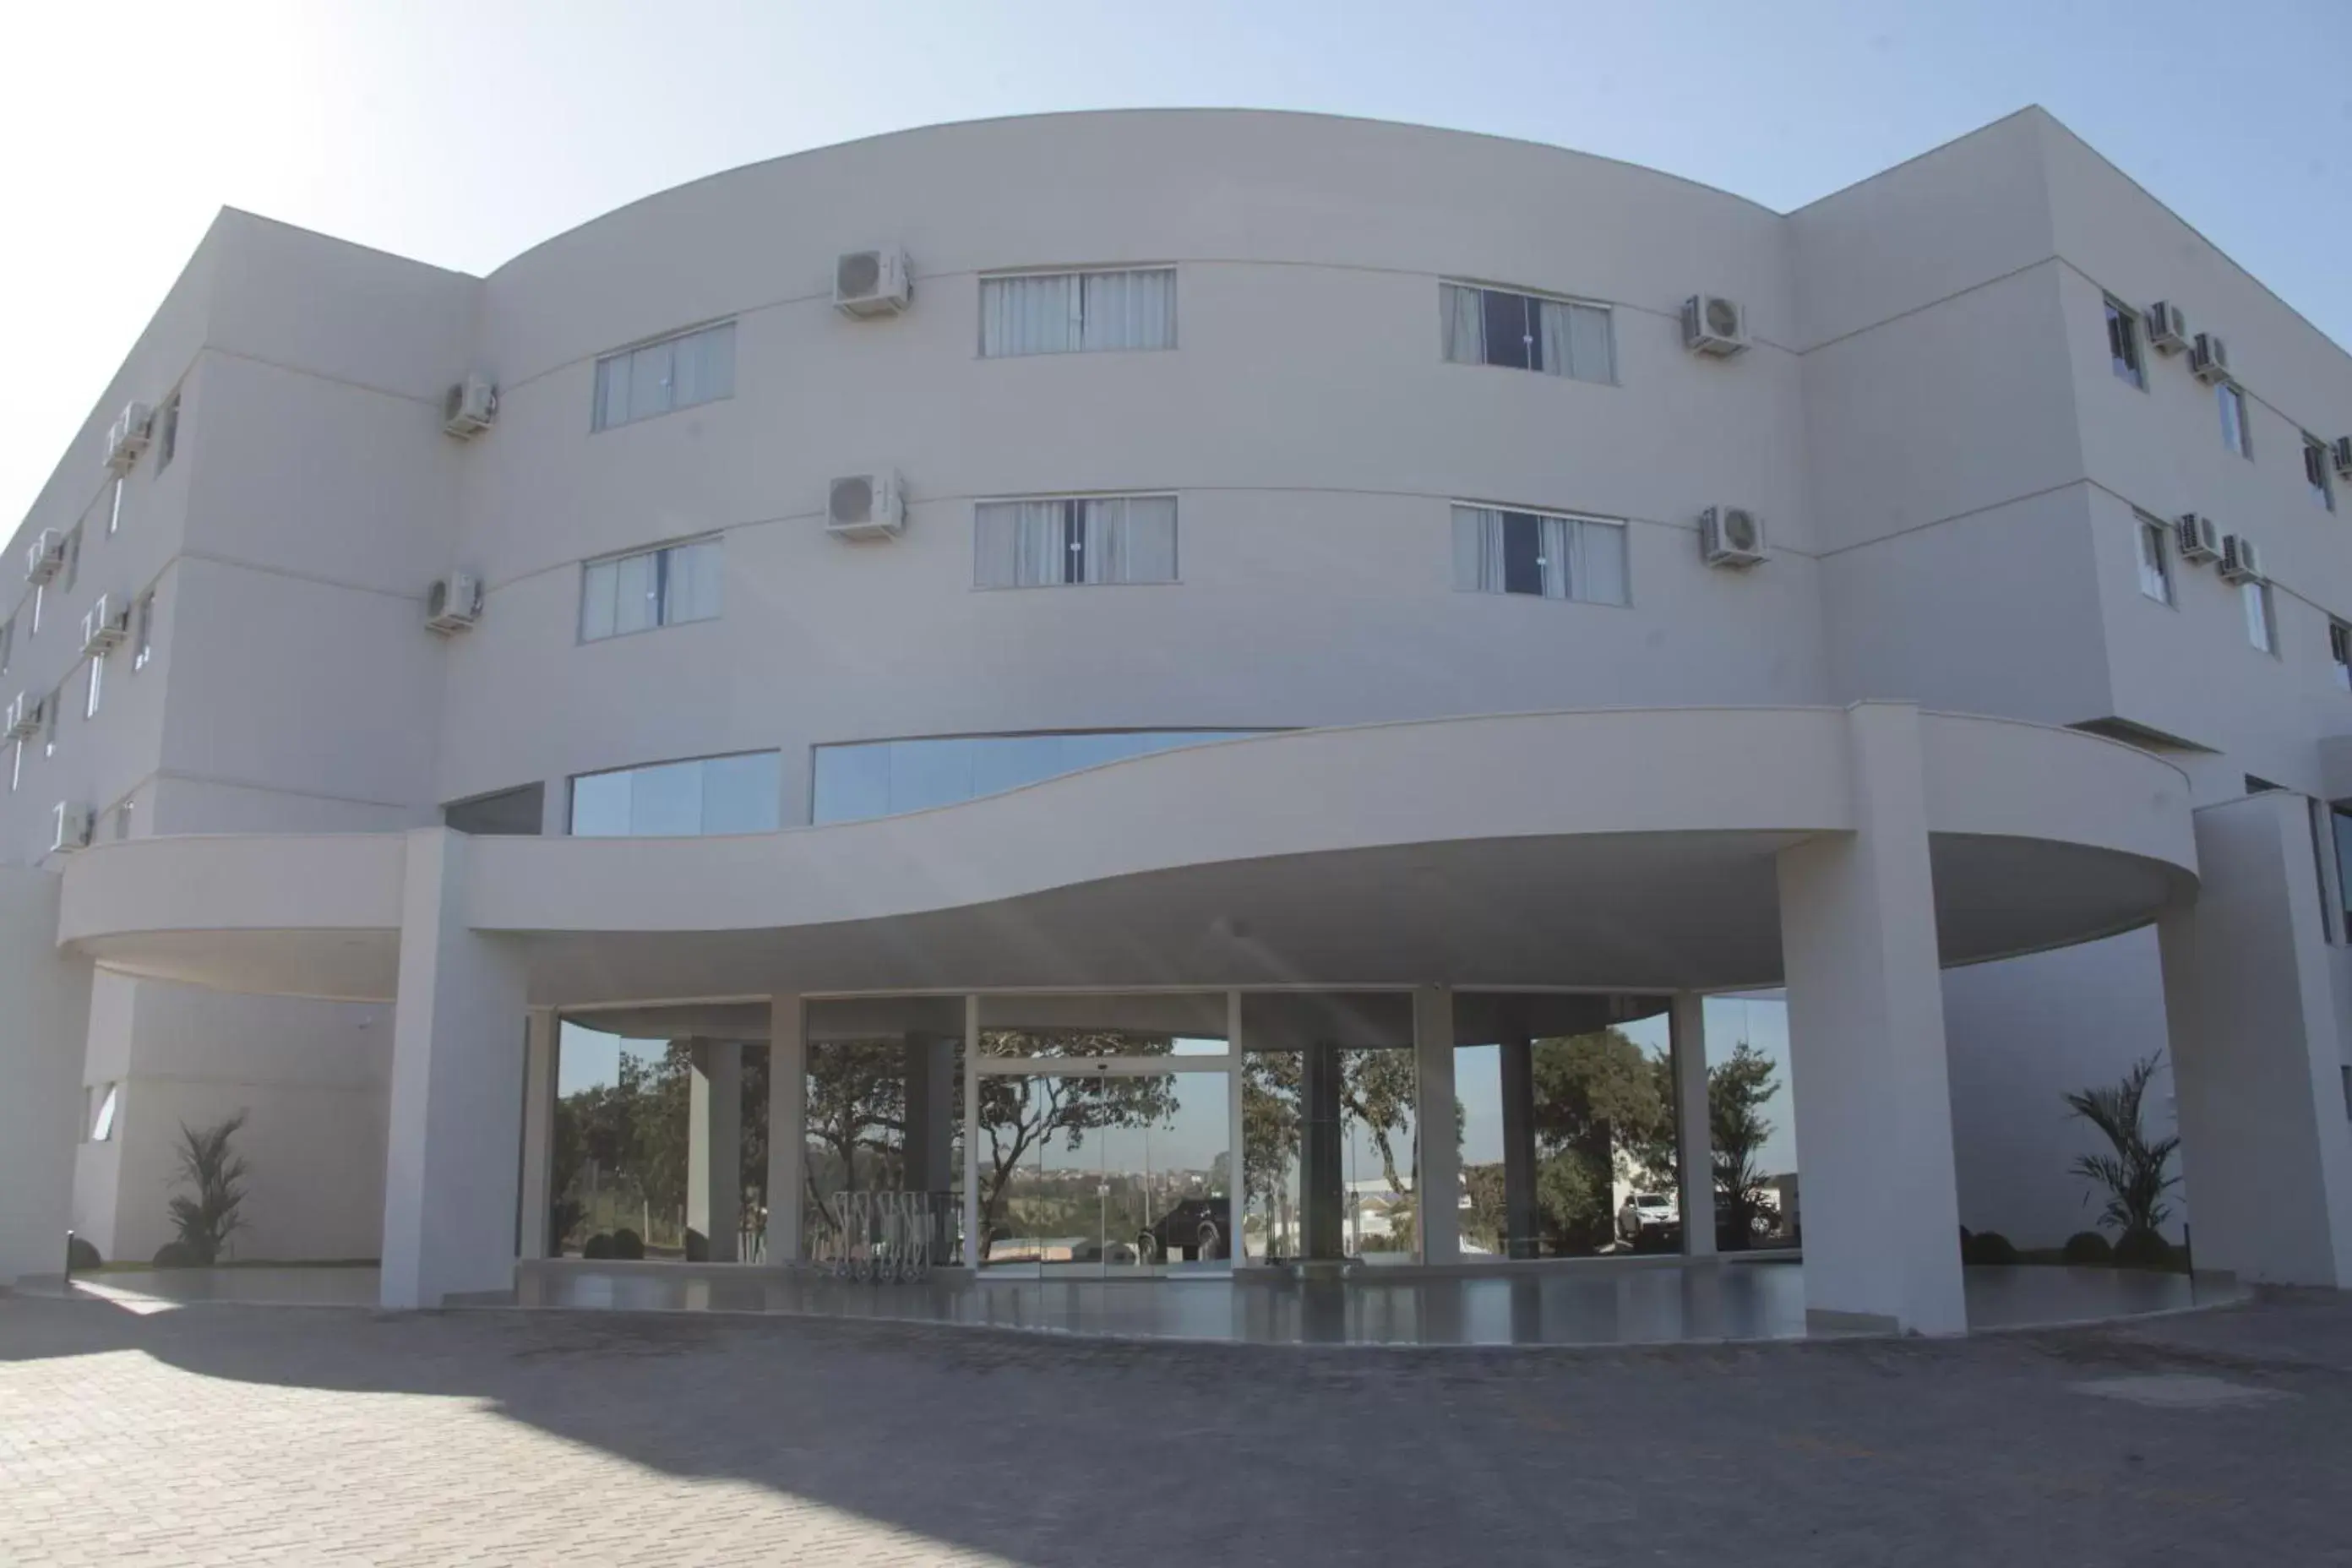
pixel 462 131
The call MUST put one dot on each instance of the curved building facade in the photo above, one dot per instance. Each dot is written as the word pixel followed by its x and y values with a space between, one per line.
pixel 1301 583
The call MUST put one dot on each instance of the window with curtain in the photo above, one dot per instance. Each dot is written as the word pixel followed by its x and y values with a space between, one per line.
pixel 738 794
pixel 1078 312
pixel 2315 473
pixel 2123 344
pixel 2236 435
pixel 2262 619
pixel 2155 560
pixel 1073 539
pixel 637 593
pixel 1544 554
pixel 1523 331
pixel 662 377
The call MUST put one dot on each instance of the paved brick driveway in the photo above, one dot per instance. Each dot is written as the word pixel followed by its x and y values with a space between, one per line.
pixel 247 1435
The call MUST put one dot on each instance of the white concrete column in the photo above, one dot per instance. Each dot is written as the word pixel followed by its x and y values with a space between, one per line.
pixel 452 1153
pixel 973 1252
pixel 714 1146
pixel 43 1037
pixel 533 1239
pixel 787 1125
pixel 2257 1069
pixel 1866 1061
pixel 1693 1132
pixel 1438 1210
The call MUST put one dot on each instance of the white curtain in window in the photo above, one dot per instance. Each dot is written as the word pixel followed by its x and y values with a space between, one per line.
pixel 612 391
pixel 652 375
pixel 1601 569
pixel 705 365
pixel 690 585
pixel 1477 550
pixel 1128 309
pixel 1462 318
pixel 597 585
pixel 1150 539
pixel 1020 545
pixel 1036 315
pixel 1553 554
pixel 1576 340
pixel 636 599
pixel 1105 520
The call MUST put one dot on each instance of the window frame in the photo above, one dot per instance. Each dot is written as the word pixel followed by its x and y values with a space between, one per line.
pixel 2340 650
pixel 1074 518
pixel 2251 594
pixel 571 792
pixel 1537 296
pixel 2315 472
pixel 661 555
pixel 1572 575
pixel 2156 534
pixel 2130 367
pixel 599 377
pixel 167 435
pixel 1080 275
pixel 142 632
pixel 2229 395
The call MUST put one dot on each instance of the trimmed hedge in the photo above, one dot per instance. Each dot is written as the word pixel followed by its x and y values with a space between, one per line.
pixel 80 1256
pixel 627 1243
pixel 178 1255
pixel 2143 1249
pixel 1989 1248
pixel 597 1245
pixel 2088 1246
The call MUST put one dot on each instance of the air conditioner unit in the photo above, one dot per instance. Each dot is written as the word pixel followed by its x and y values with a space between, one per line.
pixel 1730 536
pixel 872 282
pixel 2342 450
pixel 2241 563
pixel 45 557
pixel 2168 329
pixel 23 718
pixel 866 506
pixel 2195 538
pixel 127 438
pixel 103 629
pixel 455 603
pixel 1714 325
pixel 469 407
pixel 71 830
pixel 2208 359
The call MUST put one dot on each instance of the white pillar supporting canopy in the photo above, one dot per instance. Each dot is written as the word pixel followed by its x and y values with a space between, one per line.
pixel 1438 1187
pixel 453 1156
pixel 535 1237
pixel 714 1154
pixel 1686 1041
pixel 1867 1056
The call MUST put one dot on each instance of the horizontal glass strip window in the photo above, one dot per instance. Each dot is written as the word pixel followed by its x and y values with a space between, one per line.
pixel 738 794
pixel 1523 331
pixel 662 377
pixel 883 778
pixel 1539 553
pixel 1078 312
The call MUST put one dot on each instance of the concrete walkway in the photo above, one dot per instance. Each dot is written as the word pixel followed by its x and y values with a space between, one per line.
pixel 212 1434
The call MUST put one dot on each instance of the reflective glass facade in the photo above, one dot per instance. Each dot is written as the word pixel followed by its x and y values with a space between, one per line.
pixel 680 800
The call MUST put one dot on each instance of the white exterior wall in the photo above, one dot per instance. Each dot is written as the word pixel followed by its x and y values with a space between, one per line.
pixel 1926 424
pixel 48 998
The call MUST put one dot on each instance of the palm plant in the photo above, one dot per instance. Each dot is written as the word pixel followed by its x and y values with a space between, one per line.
pixel 217 1172
pixel 2136 1173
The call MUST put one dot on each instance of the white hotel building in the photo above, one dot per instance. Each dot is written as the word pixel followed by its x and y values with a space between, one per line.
pixel 1341 488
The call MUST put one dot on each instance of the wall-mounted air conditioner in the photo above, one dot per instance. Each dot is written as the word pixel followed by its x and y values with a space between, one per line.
pixel 23 718
pixel 2168 329
pixel 104 628
pixel 876 282
pixel 70 828
pixel 469 407
pixel 45 557
pixel 2342 451
pixel 2241 561
pixel 2208 359
pixel 1730 536
pixel 1714 325
pixel 866 506
pixel 128 438
pixel 2195 538
pixel 455 603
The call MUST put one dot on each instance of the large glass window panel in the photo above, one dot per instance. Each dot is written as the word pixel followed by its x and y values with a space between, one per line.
pixel 739 794
pixel 1329 1109
pixel 857 780
pixel 1031 315
pixel 660 377
pixel 666 801
pixel 1752 1112
pixel 612 391
pixel 637 593
pixel 1122 310
pixel 599 587
pixel 1509 331
pixel 600 805
pixel 736 794
pixel 690 579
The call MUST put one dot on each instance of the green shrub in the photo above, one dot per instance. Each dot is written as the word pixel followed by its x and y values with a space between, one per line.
pixel 2143 1249
pixel 598 1246
pixel 80 1256
pixel 698 1247
pixel 178 1255
pixel 1989 1249
pixel 627 1243
pixel 2088 1246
